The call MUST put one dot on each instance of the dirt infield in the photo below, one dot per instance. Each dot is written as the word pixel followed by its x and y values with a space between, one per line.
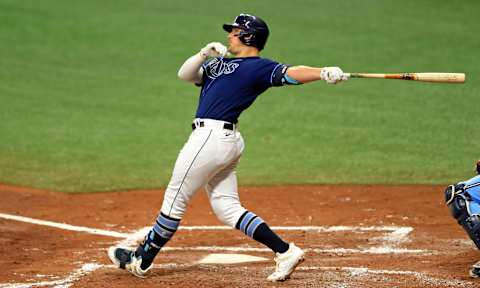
pixel 355 236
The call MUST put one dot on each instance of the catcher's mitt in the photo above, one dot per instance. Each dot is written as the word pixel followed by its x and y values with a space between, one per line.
pixel 477 168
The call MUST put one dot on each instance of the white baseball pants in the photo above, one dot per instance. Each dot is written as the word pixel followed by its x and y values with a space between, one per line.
pixel 208 159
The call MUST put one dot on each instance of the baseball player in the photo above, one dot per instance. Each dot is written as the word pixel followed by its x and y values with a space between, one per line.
pixel 463 200
pixel 229 85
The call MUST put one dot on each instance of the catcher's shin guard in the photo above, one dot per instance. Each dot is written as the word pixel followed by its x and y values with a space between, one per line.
pixel 475 270
pixel 472 226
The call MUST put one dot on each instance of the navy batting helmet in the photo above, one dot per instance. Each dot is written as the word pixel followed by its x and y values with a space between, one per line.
pixel 254 30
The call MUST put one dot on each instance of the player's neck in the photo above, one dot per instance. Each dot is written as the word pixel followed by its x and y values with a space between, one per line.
pixel 248 52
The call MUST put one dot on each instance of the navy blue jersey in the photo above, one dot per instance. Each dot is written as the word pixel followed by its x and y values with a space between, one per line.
pixel 230 85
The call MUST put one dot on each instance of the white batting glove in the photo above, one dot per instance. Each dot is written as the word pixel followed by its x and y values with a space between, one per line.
pixel 332 75
pixel 213 49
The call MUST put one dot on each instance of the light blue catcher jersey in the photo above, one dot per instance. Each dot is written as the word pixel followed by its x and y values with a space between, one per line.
pixel 231 85
pixel 472 187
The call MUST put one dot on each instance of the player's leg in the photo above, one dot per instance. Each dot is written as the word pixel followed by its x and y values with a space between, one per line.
pixel 193 168
pixel 223 194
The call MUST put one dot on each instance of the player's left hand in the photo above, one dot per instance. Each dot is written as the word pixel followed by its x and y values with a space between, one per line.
pixel 332 75
pixel 214 49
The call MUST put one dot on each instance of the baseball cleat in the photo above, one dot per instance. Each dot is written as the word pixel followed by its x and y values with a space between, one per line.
pixel 286 263
pixel 126 259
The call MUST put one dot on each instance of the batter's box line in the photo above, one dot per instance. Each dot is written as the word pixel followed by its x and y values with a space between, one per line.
pixel 398 230
pixel 390 241
pixel 395 236
pixel 336 251
pixel 319 229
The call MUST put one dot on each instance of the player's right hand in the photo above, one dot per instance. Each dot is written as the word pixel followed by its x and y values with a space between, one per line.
pixel 332 75
pixel 214 49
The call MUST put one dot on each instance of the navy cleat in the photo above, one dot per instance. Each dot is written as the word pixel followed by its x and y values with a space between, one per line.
pixel 126 259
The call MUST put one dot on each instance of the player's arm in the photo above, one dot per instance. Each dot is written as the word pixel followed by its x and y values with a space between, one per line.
pixel 305 74
pixel 191 70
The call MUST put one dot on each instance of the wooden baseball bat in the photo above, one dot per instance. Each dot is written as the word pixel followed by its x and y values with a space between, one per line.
pixel 424 77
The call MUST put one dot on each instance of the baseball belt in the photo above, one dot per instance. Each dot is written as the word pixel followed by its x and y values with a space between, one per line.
pixel 228 126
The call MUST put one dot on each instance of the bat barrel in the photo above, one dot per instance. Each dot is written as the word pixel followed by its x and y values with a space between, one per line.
pixel 424 77
pixel 441 77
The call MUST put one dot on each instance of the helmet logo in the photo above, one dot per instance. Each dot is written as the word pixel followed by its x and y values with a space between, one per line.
pixel 244 20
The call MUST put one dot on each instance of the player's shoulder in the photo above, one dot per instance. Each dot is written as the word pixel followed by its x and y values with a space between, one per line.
pixel 258 62
pixel 256 59
pixel 264 60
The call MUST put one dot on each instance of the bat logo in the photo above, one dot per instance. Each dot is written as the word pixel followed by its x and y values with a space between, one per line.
pixel 408 76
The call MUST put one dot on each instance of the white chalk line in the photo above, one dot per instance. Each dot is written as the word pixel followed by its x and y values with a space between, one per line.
pixel 339 251
pixel 396 236
pixel 61 283
pixel 81 272
pixel 397 231
pixel 319 229
pixel 353 271
pixel 64 226
pixel 390 248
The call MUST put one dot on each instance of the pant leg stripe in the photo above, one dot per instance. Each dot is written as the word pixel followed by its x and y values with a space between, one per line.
pixel 164 227
pixel 185 176
pixel 170 224
pixel 245 221
pixel 163 232
pixel 250 222
pixel 237 226
pixel 253 226
pixel 169 218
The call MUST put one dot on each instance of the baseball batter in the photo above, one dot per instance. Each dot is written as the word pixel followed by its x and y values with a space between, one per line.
pixel 463 200
pixel 229 85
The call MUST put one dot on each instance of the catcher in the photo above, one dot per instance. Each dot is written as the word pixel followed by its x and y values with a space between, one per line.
pixel 463 200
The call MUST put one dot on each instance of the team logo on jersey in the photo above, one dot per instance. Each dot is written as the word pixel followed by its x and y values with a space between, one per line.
pixel 217 67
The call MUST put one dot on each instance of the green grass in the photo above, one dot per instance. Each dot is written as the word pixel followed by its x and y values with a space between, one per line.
pixel 90 101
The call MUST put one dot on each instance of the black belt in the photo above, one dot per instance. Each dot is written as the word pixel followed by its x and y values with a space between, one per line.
pixel 228 126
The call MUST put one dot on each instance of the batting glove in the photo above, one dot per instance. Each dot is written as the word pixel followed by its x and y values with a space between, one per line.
pixel 332 75
pixel 214 49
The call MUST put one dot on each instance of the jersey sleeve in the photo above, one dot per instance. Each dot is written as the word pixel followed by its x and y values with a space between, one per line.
pixel 268 71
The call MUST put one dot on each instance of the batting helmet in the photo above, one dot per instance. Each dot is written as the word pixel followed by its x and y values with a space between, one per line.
pixel 254 30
